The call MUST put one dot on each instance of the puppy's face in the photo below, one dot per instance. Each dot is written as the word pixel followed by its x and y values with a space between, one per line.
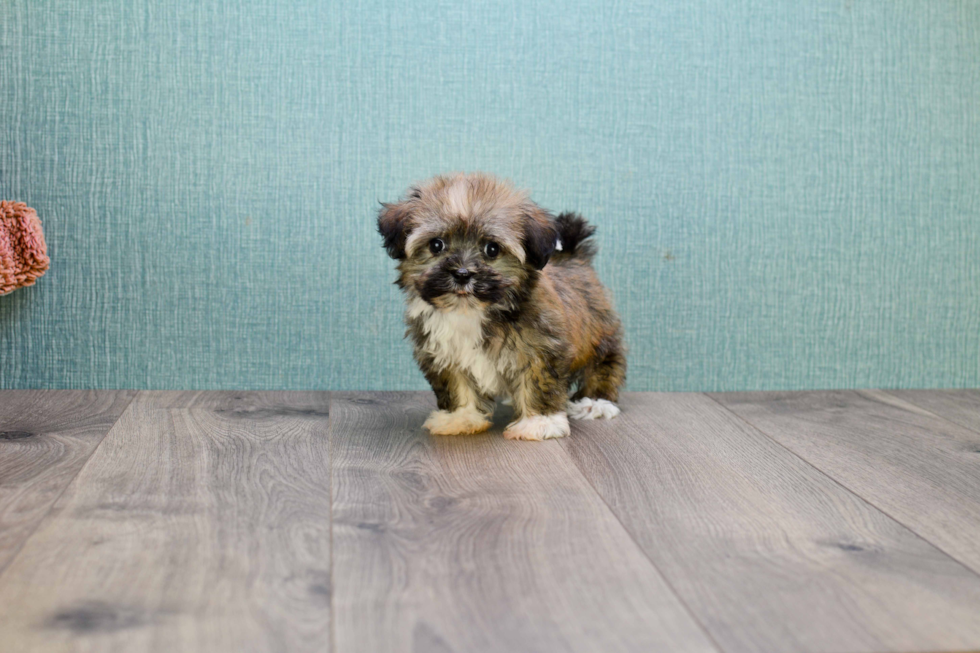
pixel 467 241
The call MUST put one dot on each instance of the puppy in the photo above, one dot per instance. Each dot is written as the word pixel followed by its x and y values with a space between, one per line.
pixel 503 301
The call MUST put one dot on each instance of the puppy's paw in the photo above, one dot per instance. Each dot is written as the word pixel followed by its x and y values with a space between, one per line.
pixel 538 427
pixel 462 421
pixel 592 409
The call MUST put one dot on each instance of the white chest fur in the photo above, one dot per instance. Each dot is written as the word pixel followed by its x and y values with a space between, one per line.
pixel 456 340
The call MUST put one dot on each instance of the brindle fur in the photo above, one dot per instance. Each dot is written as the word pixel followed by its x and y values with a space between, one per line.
pixel 545 310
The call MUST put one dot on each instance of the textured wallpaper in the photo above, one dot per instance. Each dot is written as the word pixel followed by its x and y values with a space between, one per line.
pixel 787 193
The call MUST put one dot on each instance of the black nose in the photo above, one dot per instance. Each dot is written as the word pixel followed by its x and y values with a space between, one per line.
pixel 462 275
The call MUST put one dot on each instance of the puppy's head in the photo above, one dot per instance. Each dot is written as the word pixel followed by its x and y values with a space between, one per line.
pixel 467 241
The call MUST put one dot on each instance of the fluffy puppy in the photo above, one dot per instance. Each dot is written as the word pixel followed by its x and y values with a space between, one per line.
pixel 503 301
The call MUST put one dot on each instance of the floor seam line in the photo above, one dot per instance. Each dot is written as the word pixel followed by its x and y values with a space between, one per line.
pixel 849 490
pixel 333 553
pixel 930 411
pixel 656 567
pixel 47 513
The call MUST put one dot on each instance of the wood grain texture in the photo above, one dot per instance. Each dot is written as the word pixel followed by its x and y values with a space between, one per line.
pixel 45 438
pixel 202 523
pixel 922 470
pixel 959 406
pixel 769 553
pixel 474 543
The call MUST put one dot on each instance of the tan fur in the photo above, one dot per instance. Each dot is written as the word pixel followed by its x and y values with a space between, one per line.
pixel 518 323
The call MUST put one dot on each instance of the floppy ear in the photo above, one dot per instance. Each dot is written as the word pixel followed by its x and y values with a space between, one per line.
pixel 394 223
pixel 540 235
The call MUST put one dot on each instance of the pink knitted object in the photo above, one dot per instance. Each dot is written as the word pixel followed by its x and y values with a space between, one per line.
pixel 23 252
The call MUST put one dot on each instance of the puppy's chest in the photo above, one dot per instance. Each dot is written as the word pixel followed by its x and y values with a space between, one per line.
pixel 455 339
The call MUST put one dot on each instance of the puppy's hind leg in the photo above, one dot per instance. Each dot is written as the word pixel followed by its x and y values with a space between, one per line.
pixel 599 391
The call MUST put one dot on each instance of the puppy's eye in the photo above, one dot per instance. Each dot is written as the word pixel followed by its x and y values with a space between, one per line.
pixel 491 249
pixel 436 245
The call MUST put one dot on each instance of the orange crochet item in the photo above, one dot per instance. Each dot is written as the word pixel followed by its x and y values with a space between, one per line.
pixel 23 252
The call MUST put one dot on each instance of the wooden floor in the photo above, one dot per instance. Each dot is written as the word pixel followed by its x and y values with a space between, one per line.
pixel 304 521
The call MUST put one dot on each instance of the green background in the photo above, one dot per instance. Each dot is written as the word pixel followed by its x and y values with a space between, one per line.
pixel 787 193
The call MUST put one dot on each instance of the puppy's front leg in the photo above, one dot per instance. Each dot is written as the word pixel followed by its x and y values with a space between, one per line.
pixel 462 409
pixel 540 395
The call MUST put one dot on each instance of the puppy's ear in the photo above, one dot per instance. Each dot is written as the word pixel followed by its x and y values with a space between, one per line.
pixel 540 235
pixel 394 224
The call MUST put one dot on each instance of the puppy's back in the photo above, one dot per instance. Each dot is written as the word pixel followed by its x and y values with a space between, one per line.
pixel 590 319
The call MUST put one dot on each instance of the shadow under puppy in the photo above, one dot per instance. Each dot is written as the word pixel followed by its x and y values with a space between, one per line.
pixel 503 301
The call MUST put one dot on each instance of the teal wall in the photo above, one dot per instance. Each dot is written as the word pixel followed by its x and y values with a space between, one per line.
pixel 787 193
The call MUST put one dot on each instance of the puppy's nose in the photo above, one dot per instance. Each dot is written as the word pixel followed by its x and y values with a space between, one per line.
pixel 462 275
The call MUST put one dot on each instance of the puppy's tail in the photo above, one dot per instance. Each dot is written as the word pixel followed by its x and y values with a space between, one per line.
pixel 574 238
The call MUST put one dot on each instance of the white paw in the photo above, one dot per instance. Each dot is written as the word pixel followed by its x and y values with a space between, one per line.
pixel 592 409
pixel 538 427
pixel 462 421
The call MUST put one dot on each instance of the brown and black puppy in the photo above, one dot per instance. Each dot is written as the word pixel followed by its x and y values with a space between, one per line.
pixel 503 301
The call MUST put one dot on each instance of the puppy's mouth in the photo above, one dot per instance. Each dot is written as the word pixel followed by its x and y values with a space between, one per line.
pixel 460 284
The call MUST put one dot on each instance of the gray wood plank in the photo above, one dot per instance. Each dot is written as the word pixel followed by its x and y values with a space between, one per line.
pixel 920 469
pixel 202 523
pixel 45 438
pixel 959 406
pixel 769 553
pixel 475 543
